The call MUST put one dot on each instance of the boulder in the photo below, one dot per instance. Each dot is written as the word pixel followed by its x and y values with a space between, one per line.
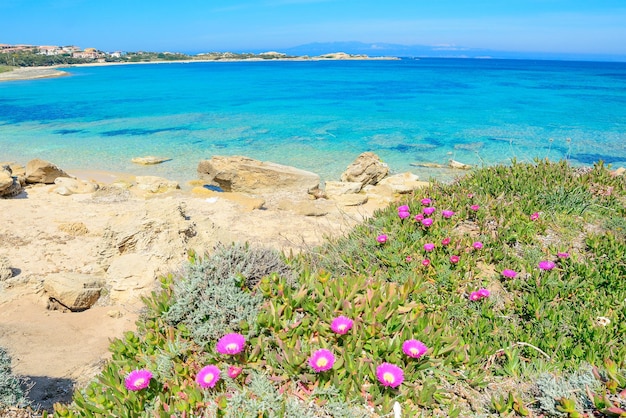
pixel 5 269
pixel 458 166
pixel 242 174
pixel 338 188
pixel 9 185
pixel 366 169
pixel 68 185
pixel 74 291
pixel 40 171
pixel 154 184
pixel 403 182
pixel 149 160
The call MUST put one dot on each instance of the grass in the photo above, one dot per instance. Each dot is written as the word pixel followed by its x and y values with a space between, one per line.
pixel 6 68
pixel 548 342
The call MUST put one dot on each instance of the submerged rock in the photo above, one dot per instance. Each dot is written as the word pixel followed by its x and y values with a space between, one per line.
pixel 150 160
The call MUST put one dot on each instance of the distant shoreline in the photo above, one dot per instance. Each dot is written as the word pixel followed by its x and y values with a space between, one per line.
pixel 34 73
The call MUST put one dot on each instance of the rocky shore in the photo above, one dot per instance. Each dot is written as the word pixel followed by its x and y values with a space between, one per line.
pixel 77 252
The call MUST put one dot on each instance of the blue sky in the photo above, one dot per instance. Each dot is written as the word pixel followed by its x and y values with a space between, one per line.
pixel 565 26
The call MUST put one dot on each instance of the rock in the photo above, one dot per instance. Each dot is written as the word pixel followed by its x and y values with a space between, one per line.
pixel 619 172
pixel 338 188
pixel 403 182
pixel 366 169
pixel 68 185
pixel 428 165
pixel 5 269
pixel 305 207
pixel 379 193
pixel 154 184
pixel 9 185
pixel 247 201
pixel 458 166
pixel 242 174
pixel 150 160
pixel 351 199
pixel 40 171
pixel 129 276
pixel 74 291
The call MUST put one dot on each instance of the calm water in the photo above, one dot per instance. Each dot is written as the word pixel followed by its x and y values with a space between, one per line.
pixel 318 115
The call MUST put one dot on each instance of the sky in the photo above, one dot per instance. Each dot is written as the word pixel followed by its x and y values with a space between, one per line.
pixel 192 26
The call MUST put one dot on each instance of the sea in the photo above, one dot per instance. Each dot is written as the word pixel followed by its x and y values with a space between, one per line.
pixel 319 115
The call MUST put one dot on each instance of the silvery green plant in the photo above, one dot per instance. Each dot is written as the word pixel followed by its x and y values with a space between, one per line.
pixel 11 393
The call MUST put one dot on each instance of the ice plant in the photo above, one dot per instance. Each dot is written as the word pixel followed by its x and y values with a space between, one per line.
pixel 562 255
pixel 534 216
pixel 454 259
pixel 426 262
pixel 208 376
pixel 429 246
pixel 474 296
pixel 322 360
pixel 414 348
pixel 426 201
pixel 427 222
pixel 389 375
pixel 509 273
pixel 234 371
pixel 483 293
pixel 477 245
pixel 231 344
pixel 408 258
pixel 341 325
pixel 546 265
pixel 445 241
pixel 403 215
pixel 403 208
pixel 447 214
pixel 382 238
pixel 138 379
pixel 475 208
pixel 419 217
pixel 429 210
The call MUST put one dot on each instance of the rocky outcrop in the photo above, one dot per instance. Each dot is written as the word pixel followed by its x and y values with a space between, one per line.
pixel 338 188
pixel 149 160
pixel 9 185
pixel 5 269
pixel 40 171
pixel 154 184
pixel 67 186
pixel 458 166
pixel 242 174
pixel 74 291
pixel 366 169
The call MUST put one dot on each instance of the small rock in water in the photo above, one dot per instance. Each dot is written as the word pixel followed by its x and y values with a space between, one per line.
pixel 149 160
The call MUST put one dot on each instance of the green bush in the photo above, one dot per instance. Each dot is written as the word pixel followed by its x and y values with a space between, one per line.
pixel 11 393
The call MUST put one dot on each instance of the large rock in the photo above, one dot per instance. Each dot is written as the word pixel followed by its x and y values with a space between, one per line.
pixel 74 291
pixel 40 171
pixel 242 174
pixel 366 169
pixel 9 185
pixel 154 184
pixel 67 186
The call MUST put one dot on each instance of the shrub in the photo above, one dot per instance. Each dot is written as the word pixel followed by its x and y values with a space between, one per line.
pixel 11 393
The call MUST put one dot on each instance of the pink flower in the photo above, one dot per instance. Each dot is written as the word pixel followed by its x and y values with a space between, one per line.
pixel 447 214
pixel 425 262
pixel 509 273
pixel 475 208
pixel 389 375
pixel 454 259
pixel 208 376
pixel 426 201
pixel 427 222
pixel 474 296
pixel 408 258
pixel 477 245
pixel 429 246
pixel 414 348
pixel 419 217
pixel 445 241
pixel 534 216
pixel 382 238
pixel 341 325
pixel 322 360
pixel 483 293
pixel 403 208
pixel 429 210
pixel 138 379
pixel 562 255
pixel 470 195
pixel 403 215
pixel 546 265
pixel 231 344
pixel 234 371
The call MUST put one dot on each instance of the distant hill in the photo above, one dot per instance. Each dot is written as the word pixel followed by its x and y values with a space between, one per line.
pixel 436 51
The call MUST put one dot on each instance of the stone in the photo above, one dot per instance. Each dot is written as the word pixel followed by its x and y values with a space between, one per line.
pixel 5 269
pixel 41 171
pixel 403 182
pixel 366 169
pixel 351 199
pixel 458 166
pixel 619 172
pixel 154 184
pixel 74 291
pixel 337 188
pixel 9 185
pixel 129 276
pixel 243 174
pixel 150 160
pixel 71 185
pixel 246 201
pixel 379 193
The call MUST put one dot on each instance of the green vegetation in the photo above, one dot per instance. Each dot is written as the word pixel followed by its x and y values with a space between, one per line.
pixel 6 68
pixel 32 59
pixel 516 288
pixel 11 393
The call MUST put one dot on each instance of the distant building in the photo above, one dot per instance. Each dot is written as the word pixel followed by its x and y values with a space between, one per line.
pixel 49 50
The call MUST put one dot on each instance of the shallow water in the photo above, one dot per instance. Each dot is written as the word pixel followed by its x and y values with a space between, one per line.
pixel 320 115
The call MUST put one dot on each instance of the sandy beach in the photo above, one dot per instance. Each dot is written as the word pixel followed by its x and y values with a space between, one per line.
pixel 31 73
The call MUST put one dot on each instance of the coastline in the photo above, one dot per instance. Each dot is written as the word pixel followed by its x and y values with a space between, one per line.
pixel 32 73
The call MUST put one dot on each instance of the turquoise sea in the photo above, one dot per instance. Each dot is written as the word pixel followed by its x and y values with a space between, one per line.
pixel 318 115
